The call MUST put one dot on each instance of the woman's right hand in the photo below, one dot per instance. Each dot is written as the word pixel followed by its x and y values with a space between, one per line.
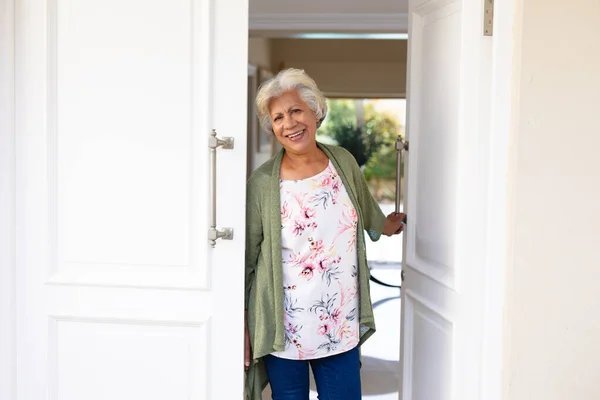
pixel 394 224
pixel 247 346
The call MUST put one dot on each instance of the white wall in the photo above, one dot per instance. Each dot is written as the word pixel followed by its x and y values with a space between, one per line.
pixel 7 204
pixel 341 67
pixel 259 52
pixel 552 324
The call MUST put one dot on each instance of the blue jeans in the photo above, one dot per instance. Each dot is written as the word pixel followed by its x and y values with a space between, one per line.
pixel 337 377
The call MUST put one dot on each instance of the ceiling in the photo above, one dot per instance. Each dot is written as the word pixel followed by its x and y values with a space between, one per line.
pixel 280 18
pixel 328 6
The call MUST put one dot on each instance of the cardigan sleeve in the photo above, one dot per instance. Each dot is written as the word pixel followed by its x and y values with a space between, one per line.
pixel 372 214
pixel 254 235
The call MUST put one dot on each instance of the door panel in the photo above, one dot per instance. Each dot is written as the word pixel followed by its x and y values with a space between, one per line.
pixel 443 257
pixel 434 148
pixel 429 337
pixel 119 294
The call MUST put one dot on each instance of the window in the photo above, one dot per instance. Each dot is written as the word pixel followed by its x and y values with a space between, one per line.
pixel 368 128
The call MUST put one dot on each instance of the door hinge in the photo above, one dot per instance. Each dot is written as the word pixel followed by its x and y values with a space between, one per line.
pixel 488 18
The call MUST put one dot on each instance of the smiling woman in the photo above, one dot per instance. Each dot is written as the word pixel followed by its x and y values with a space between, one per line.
pixel 295 127
pixel 307 294
pixel 292 107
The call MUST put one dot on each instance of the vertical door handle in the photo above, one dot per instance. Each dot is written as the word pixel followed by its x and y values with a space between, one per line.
pixel 213 233
pixel 400 146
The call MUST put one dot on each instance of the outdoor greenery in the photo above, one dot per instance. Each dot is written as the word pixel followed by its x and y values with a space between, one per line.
pixel 372 143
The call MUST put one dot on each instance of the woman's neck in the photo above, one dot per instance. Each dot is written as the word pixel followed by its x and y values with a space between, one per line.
pixel 300 160
pixel 304 165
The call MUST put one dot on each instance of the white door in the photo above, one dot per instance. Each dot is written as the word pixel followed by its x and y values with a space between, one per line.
pixel 448 129
pixel 119 295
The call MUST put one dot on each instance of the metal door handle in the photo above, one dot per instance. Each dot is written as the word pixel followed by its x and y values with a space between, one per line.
pixel 213 233
pixel 400 145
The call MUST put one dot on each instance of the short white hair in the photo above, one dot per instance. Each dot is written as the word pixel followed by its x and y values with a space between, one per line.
pixel 286 81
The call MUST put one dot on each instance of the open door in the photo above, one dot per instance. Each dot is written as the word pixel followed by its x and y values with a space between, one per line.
pixel 119 294
pixel 443 261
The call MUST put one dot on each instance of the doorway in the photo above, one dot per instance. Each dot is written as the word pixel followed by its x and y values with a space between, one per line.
pixel 459 107
pixel 365 117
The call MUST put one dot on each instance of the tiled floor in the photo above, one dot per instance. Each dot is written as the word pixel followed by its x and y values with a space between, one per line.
pixel 380 354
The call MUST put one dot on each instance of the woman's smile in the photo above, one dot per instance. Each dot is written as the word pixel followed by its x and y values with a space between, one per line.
pixel 296 136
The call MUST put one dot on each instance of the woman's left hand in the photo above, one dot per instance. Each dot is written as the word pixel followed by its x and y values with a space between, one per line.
pixel 393 224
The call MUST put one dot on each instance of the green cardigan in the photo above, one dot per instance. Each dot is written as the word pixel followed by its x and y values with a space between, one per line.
pixel 264 272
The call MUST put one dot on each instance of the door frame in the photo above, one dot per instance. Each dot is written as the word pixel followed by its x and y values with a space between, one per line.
pixel 8 270
pixel 505 73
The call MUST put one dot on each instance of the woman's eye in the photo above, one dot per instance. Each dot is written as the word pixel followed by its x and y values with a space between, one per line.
pixel 295 111
pixel 277 118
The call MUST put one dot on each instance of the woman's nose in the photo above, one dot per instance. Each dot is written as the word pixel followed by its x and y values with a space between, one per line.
pixel 289 122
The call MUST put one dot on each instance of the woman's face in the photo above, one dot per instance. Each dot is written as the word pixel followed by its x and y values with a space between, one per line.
pixel 294 123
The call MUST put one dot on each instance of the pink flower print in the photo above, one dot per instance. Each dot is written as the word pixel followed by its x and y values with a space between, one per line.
pixel 300 198
pixel 352 214
pixel 286 213
pixel 325 182
pixel 345 331
pixel 307 271
pixel 299 227
pixel 328 266
pixel 297 259
pixel 316 246
pixel 335 315
pixel 292 328
pixel 323 329
pixel 322 264
pixel 336 184
pixel 348 221
pixel 347 295
pixel 308 213
pixel 303 354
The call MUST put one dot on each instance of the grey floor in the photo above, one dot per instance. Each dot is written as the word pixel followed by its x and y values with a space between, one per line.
pixel 381 353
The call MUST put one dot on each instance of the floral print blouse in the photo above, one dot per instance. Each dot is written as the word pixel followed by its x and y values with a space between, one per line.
pixel 319 267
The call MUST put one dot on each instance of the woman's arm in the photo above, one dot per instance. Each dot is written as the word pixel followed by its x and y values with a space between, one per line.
pixel 254 238
pixel 375 222
pixel 374 219
pixel 254 235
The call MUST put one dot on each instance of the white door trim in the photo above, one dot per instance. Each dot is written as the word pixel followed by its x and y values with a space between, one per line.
pixel 7 203
pixel 504 73
pixel 330 22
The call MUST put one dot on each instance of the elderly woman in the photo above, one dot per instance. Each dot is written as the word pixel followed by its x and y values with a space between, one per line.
pixel 307 279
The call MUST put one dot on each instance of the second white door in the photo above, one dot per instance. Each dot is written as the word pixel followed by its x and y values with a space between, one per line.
pixel 448 129
pixel 119 295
